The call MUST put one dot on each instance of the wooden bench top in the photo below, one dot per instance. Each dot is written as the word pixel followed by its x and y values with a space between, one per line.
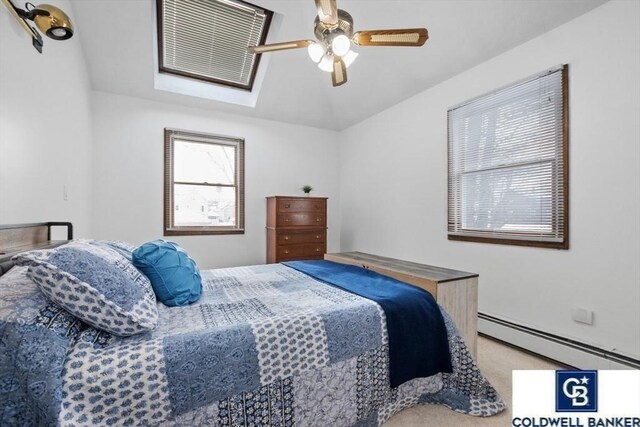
pixel 429 272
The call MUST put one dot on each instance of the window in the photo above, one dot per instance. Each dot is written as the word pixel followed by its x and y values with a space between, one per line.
pixel 207 40
pixel 203 184
pixel 508 165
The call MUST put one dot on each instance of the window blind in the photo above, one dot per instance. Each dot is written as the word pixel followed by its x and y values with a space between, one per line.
pixel 507 165
pixel 208 39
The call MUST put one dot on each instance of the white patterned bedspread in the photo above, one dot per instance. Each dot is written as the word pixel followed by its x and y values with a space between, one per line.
pixel 265 346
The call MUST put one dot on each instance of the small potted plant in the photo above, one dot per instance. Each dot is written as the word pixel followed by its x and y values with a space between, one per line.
pixel 307 189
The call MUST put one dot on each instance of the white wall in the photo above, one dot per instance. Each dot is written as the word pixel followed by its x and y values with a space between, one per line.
pixel 45 128
pixel 128 174
pixel 393 185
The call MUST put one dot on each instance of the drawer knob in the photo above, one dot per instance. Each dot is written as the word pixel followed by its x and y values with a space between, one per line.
pixel 286 220
pixel 317 250
pixel 317 219
pixel 318 236
pixel 286 237
pixel 286 251
pixel 287 205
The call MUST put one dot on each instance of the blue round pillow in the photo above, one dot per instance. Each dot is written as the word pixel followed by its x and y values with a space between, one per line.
pixel 174 276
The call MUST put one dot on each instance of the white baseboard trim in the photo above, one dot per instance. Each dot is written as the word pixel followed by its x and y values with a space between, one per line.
pixel 563 350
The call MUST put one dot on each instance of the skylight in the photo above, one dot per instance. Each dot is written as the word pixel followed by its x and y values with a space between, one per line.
pixel 207 40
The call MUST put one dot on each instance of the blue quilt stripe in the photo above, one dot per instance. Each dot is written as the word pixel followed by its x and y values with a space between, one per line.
pixel 418 344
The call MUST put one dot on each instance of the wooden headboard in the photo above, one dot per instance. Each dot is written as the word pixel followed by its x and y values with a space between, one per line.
pixel 18 238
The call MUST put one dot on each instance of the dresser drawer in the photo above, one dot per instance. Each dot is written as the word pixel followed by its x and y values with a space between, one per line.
pixel 301 219
pixel 301 205
pixel 297 258
pixel 305 250
pixel 304 237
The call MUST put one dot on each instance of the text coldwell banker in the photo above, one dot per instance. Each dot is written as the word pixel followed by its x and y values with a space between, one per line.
pixel 576 422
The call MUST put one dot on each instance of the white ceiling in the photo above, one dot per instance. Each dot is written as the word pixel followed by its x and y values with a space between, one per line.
pixel 117 38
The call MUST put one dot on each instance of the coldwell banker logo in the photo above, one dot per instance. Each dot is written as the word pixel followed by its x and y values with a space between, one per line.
pixel 576 391
pixel 604 398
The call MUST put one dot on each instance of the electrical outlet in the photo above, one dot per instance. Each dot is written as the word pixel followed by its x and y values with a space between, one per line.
pixel 582 315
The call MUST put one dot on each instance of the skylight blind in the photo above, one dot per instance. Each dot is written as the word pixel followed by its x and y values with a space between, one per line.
pixel 507 172
pixel 208 39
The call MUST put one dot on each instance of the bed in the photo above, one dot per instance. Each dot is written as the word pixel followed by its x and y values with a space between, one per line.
pixel 271 345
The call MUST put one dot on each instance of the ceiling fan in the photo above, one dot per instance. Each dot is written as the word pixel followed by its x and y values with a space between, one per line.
pixel 333 28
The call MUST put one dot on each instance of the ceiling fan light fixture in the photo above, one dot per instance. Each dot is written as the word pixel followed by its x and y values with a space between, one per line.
pixel 349 58
pixel 326 63
pixel 340 45
pixel 316 51
pixel 335 36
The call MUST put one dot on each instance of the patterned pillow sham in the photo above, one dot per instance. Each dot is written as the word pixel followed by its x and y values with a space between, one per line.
pixel 96 284
pixel 123 248
pixel 22 303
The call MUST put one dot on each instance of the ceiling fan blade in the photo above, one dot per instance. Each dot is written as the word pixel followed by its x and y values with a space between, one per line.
pixel 401 37
pixel 339 74
pixel 279 46
pixel 327 12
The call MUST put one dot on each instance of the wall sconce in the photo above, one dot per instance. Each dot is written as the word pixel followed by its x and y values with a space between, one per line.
pixel 48 19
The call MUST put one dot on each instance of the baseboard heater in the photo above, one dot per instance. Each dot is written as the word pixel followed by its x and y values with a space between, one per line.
pixel 564 350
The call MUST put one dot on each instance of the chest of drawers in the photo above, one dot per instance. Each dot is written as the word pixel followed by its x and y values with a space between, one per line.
pixel 296 228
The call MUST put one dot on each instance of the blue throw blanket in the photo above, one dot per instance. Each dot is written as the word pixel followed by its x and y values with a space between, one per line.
pixel 418 345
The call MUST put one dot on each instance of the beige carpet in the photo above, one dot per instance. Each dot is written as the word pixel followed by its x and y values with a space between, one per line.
pixel 496 363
